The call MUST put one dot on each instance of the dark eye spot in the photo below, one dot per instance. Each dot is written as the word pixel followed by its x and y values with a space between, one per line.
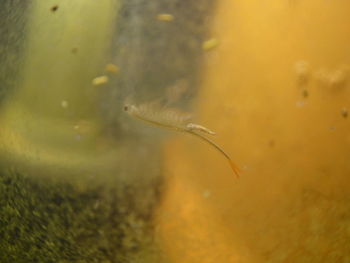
pixel 126 108
pixel 54 8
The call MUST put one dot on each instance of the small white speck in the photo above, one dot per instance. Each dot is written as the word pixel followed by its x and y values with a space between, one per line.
pixel 64 104
pixel 300 103
pixel 302 70
pixel 337 78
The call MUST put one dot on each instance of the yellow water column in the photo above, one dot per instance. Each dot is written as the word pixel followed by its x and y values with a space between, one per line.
pixel 276 90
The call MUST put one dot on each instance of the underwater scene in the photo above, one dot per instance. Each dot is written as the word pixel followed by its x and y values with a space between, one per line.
pixel 174 131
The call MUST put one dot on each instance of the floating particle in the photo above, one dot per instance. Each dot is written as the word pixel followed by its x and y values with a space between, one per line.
pixel 165 17
pixel 54 8
pixel 83 127
pixel 300 104
pixel 302 70
pixel 210 44
pixel 337 78
pixel 206 194
pixel 64 104
pixel 305 93
pixel 74 50
pixel 112 68
pixel 97 205
pixel 321 76
pixel 344 113
pixel 272 143
pixel 100 80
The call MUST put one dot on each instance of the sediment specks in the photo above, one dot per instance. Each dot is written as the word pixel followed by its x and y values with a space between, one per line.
pixel 344 113
pixel 54 8
pixel 100 80
pixel 165 17
pixel 210 44
pixel 302 70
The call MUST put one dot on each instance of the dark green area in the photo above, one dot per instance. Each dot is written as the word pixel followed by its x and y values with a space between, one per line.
pixel 43 220
pixel 13 15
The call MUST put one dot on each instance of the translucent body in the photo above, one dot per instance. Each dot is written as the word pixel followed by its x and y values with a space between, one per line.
pixel 173 119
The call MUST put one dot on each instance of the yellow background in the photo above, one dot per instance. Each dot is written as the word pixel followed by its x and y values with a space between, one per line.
pixel 284 124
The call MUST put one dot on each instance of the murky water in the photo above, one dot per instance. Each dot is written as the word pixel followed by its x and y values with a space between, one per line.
pixel 83 181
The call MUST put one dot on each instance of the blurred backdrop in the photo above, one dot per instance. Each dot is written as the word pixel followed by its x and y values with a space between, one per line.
pixel 81 181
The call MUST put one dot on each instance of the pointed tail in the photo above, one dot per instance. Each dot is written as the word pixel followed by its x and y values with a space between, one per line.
pixel 234 167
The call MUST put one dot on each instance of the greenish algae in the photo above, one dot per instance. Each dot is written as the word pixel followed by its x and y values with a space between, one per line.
pixel 45 221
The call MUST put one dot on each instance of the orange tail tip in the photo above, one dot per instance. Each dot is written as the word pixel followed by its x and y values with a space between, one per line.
pixel 235 168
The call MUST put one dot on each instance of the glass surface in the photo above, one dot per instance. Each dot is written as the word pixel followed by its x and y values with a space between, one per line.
pixel 174 131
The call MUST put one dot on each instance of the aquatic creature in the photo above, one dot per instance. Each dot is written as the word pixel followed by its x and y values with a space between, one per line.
pixel 173 119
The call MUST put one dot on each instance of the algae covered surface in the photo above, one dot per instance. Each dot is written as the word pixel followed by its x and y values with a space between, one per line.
pixel 43 220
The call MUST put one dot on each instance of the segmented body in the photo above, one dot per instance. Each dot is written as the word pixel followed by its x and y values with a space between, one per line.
pixel 154 114
pixel 175 120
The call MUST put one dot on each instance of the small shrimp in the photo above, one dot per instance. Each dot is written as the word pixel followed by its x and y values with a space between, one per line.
pixel 175 120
